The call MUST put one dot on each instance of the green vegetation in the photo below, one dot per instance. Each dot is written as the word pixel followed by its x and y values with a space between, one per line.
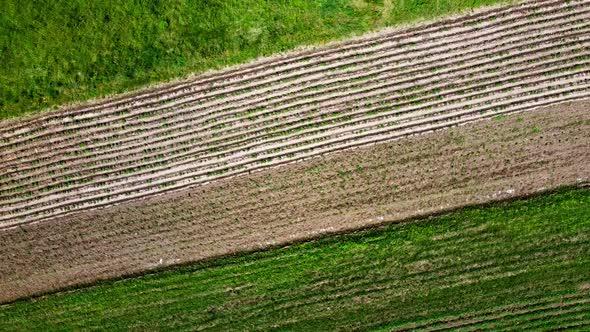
pixel 53 52
pixel 532 254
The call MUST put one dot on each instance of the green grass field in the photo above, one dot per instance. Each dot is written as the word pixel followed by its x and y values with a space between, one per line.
pixel 517 264
pixel 55 51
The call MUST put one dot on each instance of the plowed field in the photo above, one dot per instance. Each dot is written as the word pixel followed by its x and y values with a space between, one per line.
pixel 472 164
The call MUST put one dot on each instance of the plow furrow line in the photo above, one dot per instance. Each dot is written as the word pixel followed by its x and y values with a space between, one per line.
pixel 294 113
pixel 170 148
pixel 536 79
pixel 371 137
pixel 296 142
pixel 88 168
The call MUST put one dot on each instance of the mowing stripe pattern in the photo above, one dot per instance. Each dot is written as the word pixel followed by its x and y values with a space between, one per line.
pixel 294 107
pixel 556 312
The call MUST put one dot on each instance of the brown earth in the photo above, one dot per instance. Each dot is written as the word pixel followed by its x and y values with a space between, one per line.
pixel 484 161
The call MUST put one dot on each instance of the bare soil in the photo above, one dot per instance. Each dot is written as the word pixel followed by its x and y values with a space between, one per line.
pixel 480 162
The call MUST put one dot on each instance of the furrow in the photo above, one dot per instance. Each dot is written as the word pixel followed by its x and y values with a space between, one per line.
pixel 295 124
pixel 426 129
pixel 312 138
pixel 326 147
pixel 301 134
pixel 399 119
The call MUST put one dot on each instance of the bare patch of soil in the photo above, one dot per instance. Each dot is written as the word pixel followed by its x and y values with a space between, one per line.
pixel 480 162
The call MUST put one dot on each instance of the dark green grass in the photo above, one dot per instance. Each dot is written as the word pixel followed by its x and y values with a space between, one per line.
pixel 533 251
pixel 58 51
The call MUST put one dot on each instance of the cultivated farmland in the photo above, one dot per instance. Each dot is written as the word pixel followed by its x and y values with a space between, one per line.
pixel 292 107
pixel 473 164
pixel 371 183
pixel 77 51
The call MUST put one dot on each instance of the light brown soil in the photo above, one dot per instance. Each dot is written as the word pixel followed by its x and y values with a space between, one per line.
pixel 415 176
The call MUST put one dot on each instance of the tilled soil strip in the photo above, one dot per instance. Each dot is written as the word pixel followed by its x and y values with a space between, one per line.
pixel 484 161
pixel 530 57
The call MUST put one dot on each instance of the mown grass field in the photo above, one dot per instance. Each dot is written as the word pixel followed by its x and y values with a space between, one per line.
pixel 509 265
pixel 55 52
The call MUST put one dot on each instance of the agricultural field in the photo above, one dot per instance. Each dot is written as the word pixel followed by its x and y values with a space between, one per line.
pixel 493 159
pixel 505 267
pixel 294 107
pixel 430 176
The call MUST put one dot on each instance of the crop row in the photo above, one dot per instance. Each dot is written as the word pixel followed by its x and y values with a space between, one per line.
pixel 500 80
